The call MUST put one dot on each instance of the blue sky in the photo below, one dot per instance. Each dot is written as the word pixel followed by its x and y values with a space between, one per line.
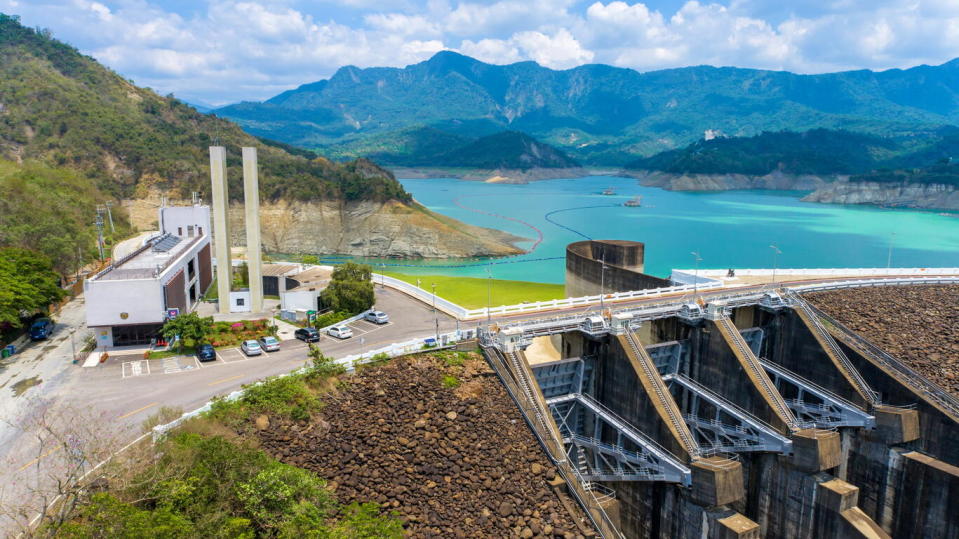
pixel 221 51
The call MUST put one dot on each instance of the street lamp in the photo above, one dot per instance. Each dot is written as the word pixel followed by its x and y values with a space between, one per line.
pixel 776 253
pixel 696 260
pixel 489 291
pixel 436 318
pixel 73 345
pixel 892 238
pixel 602 283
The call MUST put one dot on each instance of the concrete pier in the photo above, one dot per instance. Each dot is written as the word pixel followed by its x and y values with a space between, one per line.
pixel 221 226
pixel 251 200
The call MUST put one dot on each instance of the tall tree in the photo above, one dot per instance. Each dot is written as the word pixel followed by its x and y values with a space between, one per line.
pixel 350 289
pixel 28 284
pixel 188 326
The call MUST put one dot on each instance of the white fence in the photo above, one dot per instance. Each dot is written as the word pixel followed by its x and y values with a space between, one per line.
pixel 468 314
pixel 821 272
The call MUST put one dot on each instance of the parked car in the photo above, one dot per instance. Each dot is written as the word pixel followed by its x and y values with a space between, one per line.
pixel 205 352
pixel 340 332
pixel 251 348
pixel 270 344
pixel 377 317
pixel 307 334
pixel 41 329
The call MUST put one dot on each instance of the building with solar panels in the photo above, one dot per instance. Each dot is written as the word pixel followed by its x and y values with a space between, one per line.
pixel 128 302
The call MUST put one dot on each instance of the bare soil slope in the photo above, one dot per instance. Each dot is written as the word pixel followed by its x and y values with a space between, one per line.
pixel 917 324
pixel 454 461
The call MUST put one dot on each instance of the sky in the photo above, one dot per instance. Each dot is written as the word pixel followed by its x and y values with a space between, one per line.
pixel 224 51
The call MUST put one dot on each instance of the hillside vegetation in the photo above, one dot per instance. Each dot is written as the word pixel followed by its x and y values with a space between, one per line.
pixel 598 114
pixel 64 108
pixel 819 152
pixel 431 147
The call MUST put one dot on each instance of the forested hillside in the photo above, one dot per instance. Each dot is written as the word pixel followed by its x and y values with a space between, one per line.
pixel 431 147
pixel 916 159
pixel 65 109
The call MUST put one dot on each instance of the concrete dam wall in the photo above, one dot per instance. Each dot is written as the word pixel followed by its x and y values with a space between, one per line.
pixel 756 422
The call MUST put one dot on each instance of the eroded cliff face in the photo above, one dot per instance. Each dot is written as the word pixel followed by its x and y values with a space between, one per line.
pixel 909 195
pixel 390 229
pixel 726 182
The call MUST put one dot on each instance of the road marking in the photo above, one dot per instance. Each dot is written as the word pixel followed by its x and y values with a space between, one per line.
pixel 225 380
pixel 171 365
pixel 128 414
pixel 36 460
pixel 140 367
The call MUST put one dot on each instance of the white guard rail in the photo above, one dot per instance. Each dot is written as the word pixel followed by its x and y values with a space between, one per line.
pixel 822 272
pixel 467 314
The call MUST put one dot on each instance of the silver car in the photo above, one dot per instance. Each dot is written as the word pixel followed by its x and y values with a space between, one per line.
pixel 340 332
pixel 251 348
pixel 270 344
pixel 377 317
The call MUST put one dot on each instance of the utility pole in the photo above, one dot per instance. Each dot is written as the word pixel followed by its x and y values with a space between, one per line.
pixel 892 239
pixel 776 253
pixel 99 223
pixel 697 259
pixel 109 205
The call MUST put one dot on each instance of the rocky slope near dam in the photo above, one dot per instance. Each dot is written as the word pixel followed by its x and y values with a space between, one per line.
pixel 907 195
pixel 359 228
pixel 826 189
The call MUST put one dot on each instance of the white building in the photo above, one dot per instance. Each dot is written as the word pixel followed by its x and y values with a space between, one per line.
pixel 128 302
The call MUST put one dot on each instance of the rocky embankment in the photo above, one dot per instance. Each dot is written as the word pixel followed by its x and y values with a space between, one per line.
pixel 439 441
pixel 907 195
pixel 362 228
pixel 496 175
pixel 728 182
pixel 917 324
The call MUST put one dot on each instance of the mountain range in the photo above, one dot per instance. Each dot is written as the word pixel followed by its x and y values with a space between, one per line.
pixel 596 114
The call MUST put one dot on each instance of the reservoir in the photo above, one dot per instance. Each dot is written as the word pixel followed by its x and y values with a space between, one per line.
pixel 729 229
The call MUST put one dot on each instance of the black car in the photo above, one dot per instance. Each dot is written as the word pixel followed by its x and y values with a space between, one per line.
pixel 41 329
pixel 205 352
pixel 307 335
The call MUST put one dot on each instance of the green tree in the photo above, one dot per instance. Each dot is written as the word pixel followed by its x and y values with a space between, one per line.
pixel 310 259
pixel 28 284
pixel 188 326
pixel 350 289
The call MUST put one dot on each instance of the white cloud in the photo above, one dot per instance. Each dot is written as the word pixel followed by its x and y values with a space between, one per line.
pixel 225 50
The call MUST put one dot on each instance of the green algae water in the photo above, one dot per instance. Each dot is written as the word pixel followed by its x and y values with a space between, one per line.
pixel 731 229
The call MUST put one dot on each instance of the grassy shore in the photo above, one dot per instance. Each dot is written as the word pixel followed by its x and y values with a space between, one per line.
pixel 471 292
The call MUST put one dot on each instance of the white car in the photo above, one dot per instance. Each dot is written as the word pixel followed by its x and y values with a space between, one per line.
pixel 270 344
pixel 251 348
pixel 340 332
pixel 377 317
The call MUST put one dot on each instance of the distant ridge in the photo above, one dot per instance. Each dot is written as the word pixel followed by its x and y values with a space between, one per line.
pixel 597 114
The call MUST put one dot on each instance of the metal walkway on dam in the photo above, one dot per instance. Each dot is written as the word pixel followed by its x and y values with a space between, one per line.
pixel 722 411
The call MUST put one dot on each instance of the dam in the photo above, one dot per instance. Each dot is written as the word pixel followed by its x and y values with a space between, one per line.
pixel 750 414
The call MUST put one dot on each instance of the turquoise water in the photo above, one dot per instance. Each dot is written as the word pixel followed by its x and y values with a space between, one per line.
pixel 731 229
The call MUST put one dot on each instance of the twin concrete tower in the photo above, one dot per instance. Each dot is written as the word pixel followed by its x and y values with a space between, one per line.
pixel 221 227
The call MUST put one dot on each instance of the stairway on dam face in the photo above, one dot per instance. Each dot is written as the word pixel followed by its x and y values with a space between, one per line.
pixel 832 350
pixel 663 401
pixel 750 363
